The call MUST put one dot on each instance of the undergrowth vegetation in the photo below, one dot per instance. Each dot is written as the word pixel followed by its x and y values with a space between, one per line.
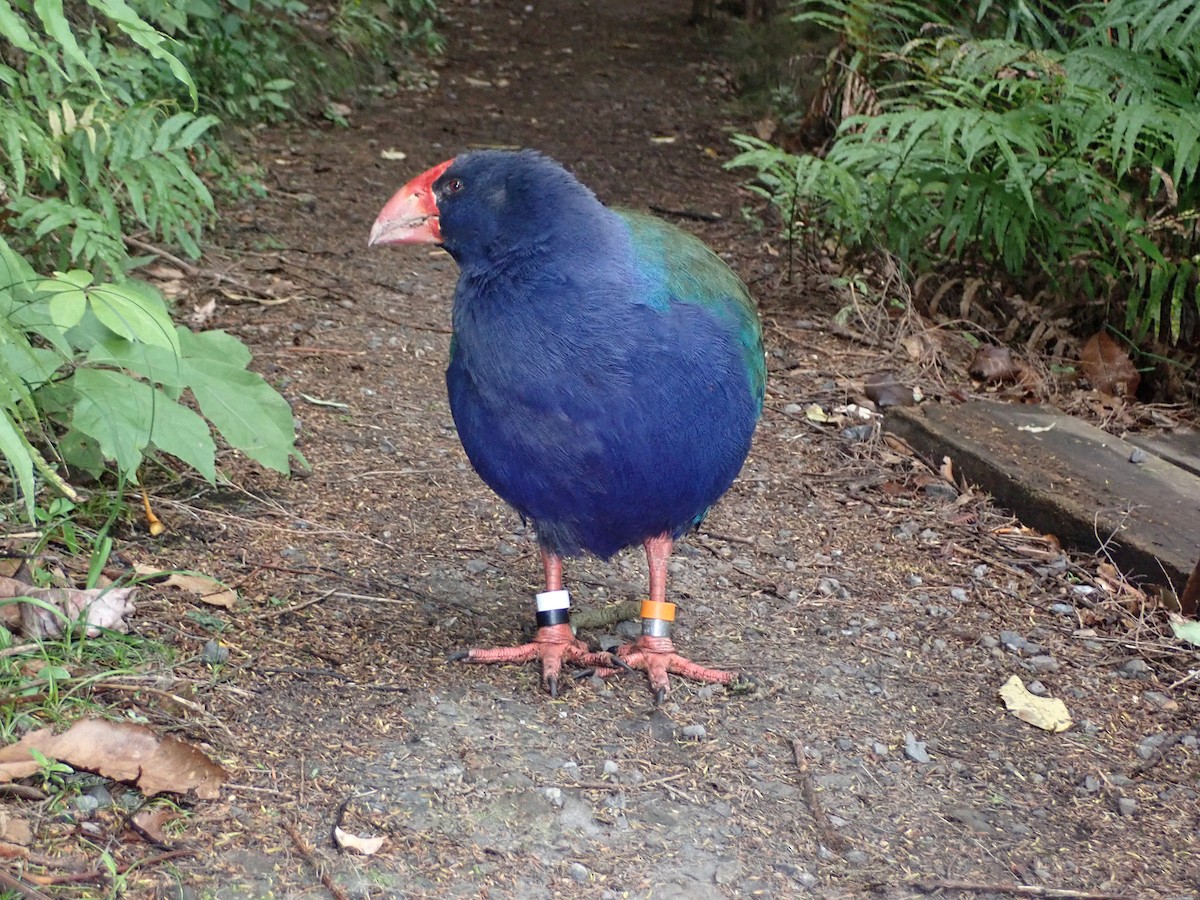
pixel 1054 142
pixel 114 124
pixel 111 132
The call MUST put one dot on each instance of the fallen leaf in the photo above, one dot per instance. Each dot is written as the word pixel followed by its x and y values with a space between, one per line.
pixel 1047 713
pixel 663 139
pixel 152 822
pixel 348 841
pixel 97 607
pixel 123 751
pixel 884 390
pixel 1185 629
pixel 341 110
pixel 15 830
pixel 477 82
pixel 392 155
pixel 208 590
pixel 1108 367
pixel 992 364
pixel 814 413
pixel 200 315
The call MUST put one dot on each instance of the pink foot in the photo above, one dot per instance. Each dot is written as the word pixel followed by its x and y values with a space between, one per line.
pixel 553 645
pixel 656 656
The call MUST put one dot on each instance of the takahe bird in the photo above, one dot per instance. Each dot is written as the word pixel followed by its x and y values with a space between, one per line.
pixel 606 375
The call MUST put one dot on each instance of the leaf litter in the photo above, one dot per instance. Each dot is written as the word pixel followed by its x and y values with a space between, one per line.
pixel 123 751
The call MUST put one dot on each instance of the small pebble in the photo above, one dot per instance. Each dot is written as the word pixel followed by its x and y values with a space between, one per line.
pixel 1160 700
pixel 1043 664
pixel 477 566
pixel 1036 688
pixel 1062 609
pixel 1127 806
pixel 1137 456
pixel 915 580
pixel 694 732
pixel 959 595
pixel 879 749
pixel 611 767
pixel 579 873
pixel 914 749
pixel 1133 668
pixel 214 654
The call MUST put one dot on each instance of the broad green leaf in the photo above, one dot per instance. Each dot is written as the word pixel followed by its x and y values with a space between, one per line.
pixel 117 412
pixel 67 308
pixel 157 364
pixel 246 410
pixel 20 463
pixel 81 452
pixel 183 434
pixel 216 345
pixel 126 417
pixel 135 311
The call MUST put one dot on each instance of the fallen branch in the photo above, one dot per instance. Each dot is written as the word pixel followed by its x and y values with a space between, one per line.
pixel 808 789
pixel 305 851
pixel 102 874
pixel 11 883
pixel 1024 890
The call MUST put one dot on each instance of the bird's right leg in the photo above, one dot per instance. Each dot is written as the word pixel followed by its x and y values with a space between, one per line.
pixel 554 642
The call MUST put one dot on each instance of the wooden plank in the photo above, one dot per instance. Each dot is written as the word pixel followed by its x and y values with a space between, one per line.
pixel 1065 477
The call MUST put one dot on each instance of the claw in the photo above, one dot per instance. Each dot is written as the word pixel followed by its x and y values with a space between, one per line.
pixel 619 663
pixel 659 696
pixel 584 673
pixel 552 686
pixel 458 656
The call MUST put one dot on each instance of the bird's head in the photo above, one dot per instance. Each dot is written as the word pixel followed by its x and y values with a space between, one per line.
pixel 488 205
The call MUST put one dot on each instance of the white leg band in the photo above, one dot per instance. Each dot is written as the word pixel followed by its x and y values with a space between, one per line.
pixel 548 600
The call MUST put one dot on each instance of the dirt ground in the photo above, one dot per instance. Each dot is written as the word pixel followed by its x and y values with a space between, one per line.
pixel 879 612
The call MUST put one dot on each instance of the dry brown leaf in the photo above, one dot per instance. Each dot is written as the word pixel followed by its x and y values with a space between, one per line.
pixel 1108 367
pixel 1047 713
pixel 992 364
pixel 208 590
pixel 152 822
pixel 348 841
pixel 15 830
pixel 884 390
pixel 122 751
pixel 97 607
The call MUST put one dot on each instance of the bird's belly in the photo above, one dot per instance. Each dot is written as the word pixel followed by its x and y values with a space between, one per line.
pixel 599 462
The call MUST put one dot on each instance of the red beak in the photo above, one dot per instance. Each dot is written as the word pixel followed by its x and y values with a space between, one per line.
pixel 411 216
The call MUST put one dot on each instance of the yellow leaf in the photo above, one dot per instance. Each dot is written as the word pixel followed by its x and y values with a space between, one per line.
pixel 1047 713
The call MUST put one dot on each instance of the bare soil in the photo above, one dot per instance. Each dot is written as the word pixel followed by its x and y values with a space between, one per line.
pixel 879 609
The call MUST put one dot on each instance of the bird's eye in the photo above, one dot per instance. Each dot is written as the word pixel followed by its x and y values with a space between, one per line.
pixel 453 186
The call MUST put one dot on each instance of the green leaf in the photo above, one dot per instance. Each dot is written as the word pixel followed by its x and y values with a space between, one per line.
pixel 247 411
pixel 1185 629
pixel 148 38
pixel 126 417
pixel 135 311
pixel 12 27
pixel 15 449
pixel 159 365
pixel 54 20
pixel 67 308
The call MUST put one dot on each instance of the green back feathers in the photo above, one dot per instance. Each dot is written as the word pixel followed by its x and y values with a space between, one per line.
pixel 680 268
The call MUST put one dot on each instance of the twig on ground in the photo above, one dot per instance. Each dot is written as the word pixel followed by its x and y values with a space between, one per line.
pixel 102 874
pixel 284 610
pixel 12 883
pixel 828 836
pixel 303 848
pixel 1025 890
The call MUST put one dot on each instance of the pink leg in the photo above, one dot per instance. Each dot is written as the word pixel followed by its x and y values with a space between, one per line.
pixel 553 644
pixel 654 654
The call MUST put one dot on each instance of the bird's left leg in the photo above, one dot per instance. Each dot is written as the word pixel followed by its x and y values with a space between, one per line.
pixel 653 651
pixel 554 642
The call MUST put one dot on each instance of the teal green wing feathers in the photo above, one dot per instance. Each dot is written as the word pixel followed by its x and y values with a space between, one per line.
pixel 680 268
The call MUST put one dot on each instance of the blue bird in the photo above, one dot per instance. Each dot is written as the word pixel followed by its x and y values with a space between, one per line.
pixel 606 375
